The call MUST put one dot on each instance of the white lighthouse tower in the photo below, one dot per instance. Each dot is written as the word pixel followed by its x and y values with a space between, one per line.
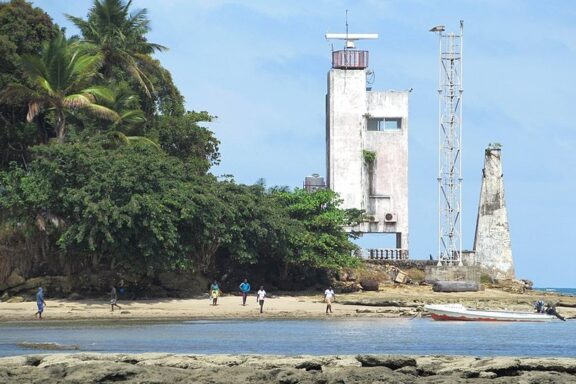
pixel 367 146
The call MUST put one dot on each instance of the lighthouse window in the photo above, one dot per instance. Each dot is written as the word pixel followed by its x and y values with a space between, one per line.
pixel 384 124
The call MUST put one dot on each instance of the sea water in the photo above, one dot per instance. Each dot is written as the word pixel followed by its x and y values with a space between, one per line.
pixel 560 291
pixel 296 337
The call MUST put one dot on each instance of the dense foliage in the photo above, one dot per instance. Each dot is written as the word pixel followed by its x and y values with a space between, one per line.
pixel 125 185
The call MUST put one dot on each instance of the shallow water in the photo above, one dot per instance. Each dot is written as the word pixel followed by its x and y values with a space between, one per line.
pixel 295 337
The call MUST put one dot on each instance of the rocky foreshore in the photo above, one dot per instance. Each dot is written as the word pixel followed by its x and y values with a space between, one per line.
pixel 171 368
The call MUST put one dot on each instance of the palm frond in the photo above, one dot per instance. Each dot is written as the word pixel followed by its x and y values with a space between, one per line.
pixel 142 140
pixel 15 93
pixel 101 93
pixel 33 66
pixel 78 100
pixel 34 108
pixel 135 116
pixel 102 112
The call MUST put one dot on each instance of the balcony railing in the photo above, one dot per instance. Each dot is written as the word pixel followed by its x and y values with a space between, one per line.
pixel 349 59
pixel 386 254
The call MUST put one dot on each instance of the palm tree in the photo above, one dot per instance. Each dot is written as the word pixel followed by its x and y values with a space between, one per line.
pixel 119 36
pixel 61 81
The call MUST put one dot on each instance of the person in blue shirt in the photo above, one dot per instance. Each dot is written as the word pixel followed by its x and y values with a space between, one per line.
pixel 40 302
pixel 214 292
pixel 245 290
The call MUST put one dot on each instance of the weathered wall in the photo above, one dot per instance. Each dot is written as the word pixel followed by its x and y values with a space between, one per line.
pixel 492 245
pixel 349 106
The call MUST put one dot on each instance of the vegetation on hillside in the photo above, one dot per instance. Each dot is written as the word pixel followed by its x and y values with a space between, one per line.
pixel 103 169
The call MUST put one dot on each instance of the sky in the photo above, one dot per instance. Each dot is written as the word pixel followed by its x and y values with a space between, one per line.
pixel 261 67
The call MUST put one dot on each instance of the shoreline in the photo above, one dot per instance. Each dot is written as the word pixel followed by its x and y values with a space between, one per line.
pixel 389 302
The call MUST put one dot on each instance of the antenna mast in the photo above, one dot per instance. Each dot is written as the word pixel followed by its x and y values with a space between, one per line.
pixel 450 92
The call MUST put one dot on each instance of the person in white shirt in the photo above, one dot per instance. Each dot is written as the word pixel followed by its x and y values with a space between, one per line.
pixel 329 297
pixel 260 297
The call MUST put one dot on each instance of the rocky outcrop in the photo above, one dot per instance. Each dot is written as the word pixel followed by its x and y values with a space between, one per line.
pixel 170 368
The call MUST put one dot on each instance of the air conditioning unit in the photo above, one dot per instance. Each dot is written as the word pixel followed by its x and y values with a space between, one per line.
pixel 390 217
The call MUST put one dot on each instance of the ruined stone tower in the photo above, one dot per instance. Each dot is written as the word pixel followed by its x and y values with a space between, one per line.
pixel 492 240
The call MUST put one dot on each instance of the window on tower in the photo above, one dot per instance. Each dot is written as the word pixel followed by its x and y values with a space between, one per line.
pixel 384 123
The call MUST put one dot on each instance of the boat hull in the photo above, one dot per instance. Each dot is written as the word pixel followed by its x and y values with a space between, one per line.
pixel 457 312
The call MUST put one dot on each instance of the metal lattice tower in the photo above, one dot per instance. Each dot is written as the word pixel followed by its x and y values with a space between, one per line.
pixel 450 147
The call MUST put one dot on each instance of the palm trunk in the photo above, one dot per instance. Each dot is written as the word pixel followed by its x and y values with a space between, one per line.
pixel 60 126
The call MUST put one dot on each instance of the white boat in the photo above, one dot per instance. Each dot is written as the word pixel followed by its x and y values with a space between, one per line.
pixel 460 312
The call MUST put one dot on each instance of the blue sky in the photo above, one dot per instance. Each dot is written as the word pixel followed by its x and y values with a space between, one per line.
pixel 261 67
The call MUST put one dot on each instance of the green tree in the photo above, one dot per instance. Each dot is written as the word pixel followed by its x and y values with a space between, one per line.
pixel 324 243
pixel 182 137
pixel 23 30
pixel 120 37
pixel 120 208
pixel 61 81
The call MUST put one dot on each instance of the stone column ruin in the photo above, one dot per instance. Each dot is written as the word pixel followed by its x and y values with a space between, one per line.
pixel 492 245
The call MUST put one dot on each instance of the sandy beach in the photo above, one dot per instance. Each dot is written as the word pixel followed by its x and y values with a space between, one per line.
pixel 388 302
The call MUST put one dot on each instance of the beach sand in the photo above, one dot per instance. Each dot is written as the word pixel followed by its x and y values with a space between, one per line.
pixel 388 302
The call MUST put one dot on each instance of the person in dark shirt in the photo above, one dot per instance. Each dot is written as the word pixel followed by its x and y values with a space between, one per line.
pixel 113 298
pixel 40 303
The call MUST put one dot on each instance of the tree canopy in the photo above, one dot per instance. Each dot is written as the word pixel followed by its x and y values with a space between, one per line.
pixel 126 185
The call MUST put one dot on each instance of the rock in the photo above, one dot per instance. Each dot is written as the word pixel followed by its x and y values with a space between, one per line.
pixel 409 370
pixel 49 346
pixel 392 362
pixel 13 280
pixel 528 283
pixel 75 297
pixel 287 378
pixel 370 285
pixel 487 375
pixel 346 286
pixel 512 285
pixel 157 291
pixel 261 369
pixel 455 286
pixel 310 365
pixel 182 284
pixel 16 299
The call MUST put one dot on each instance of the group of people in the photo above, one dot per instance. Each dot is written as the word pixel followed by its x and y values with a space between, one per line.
pixel 215 292
pixel 547 308
pixel 329 295
pixel 245 289
pixel 40 303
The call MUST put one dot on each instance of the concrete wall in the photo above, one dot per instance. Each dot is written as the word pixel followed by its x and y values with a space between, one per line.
pixel 492 244
pixel 380 188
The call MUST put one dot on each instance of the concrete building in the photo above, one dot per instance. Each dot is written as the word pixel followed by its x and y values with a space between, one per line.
pixel 493 250
pixel 367 147
pixel 314 183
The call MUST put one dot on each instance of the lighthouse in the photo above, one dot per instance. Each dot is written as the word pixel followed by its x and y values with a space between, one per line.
pixel 367 144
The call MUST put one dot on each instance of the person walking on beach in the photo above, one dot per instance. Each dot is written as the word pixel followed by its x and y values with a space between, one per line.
pixel 214 292
pixel 260 297
pixel 329 297
pixel 40 302
pixel 245 290
pixel 113 298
